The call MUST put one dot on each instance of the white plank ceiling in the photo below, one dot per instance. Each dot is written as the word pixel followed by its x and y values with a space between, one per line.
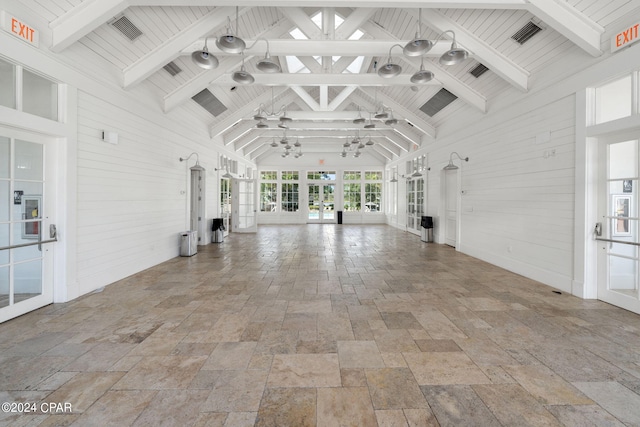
pixel 322 94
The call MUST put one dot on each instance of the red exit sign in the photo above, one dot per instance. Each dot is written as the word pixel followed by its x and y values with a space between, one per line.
pixel 625 37
pixel 20 29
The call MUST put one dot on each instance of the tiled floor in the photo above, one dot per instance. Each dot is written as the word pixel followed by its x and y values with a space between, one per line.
pixel 328 326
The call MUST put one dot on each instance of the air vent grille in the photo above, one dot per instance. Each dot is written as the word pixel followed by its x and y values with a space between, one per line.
pixel 172 68
pixel 126 27
pixel 525 33
pixel 438 102
pixel 478 70
pixel 209 102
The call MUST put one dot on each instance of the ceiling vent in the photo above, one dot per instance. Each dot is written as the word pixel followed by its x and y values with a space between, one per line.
pixel 478 70
pixel 438 102
pixel 172 68
pixel 209 102
pixel 525 33
pixel 126 27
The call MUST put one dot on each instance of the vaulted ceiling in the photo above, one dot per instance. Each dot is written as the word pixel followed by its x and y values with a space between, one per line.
pixel 329 56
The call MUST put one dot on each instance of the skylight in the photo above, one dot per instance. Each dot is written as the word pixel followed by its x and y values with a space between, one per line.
pixel 297 34
pixel 317 19
pixel 295 65
pixel 357 35
pixel 355 66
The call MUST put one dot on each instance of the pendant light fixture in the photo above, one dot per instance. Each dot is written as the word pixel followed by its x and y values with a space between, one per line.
pixel 455 55
pixel 390 69
pixel 422 76
pixel 370 125
pixel 204 59
pixel 358 120
pixel 242 76
pixel 262 125
pixel 266 64
pixel 418 46
pixel 391 120
pixel 231 43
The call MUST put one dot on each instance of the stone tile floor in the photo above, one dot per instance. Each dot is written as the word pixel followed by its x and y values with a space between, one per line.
pixel 324 325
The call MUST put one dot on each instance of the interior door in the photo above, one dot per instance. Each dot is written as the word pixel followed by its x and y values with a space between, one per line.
pixel 321 203
pixel 451 207
pixel 26 264
pixel 618 208
pixel 244 205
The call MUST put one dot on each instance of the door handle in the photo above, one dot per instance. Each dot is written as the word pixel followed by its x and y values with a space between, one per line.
pixel 598 229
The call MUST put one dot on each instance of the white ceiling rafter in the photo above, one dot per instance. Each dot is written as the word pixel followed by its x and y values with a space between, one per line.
pixel 237 131
pixel 353 22
pixel 83 19
pixel 306 98
pixel 169 50
pixel 308 79
pixel 483 52
pixel 566 20
pixel 339 99
pixel 437 4
pixel 302 21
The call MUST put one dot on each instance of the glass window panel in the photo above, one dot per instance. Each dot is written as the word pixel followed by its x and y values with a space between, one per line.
pixel 7 84
pixel 290 175
pixel 4 286
pixel 39 96
pixel 28 161
pixel 4 241
pixel 351 175
pixel 27 280
pixel 613 100
pixel 373 197
pixel 26 232
pixel 623 160
pixel 30 200
pixel 328 176
pixel 268 196
pixel 352 198
pixel 268 175
pixel 6 200
pixel 373 176
pixel 5 155
pixel 290 197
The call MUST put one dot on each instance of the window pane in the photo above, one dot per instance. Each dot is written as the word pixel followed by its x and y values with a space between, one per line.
pixel 39 96
pixel 373 176
pixel 351 175
pixel 7 85
pixel 4 157
pixel 623 160
pixel 290 175
pixel 373 197
pixel 290 197
pixel 269 175
pixel 352 198
pixel 28 164
pixel 268 196
pixel 613 100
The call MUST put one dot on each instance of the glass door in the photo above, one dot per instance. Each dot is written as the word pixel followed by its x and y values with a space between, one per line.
pixel 225 204
pixel 26 264
pixel 321 203
pixel 618 208
pixel 244 205
pixel 415 204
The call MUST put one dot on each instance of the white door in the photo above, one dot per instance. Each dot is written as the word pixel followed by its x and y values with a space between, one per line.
pixel 244 205
pixel 321 203
pixel 618 209
pixel 26 202
pixel 451 207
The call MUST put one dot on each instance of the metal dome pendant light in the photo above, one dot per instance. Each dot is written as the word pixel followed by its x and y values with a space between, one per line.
pixel 455 55
pixel 358 120
pixel 422 76
pixel 266 64
pixel 204 59
pixel 391 120
pixel 243 76
pixel 451 166
pixel 231 43
pixel 390 69
pixel 418 46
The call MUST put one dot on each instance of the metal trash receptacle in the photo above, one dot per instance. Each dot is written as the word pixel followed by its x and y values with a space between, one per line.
pixel 217 230
pixel 426 231
pixel 188 243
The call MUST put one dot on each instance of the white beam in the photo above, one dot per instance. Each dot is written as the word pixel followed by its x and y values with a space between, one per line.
pixel 341 97
pixel 259 153
pixel 301 20
pixel 482 51
pixel 569 22
pixel 342 64
pixel 292 47
pixel 169 50
pixel 306 98
pixel 238 130
pixel 324 97
pixel 307 61
pixel 308 79
pixel 383 152
pixel 435 4
pixel 82 19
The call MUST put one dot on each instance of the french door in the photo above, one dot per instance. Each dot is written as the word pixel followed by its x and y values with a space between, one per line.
pixel 26 231
pixel 244 205
pixel 617 229
pixel 321 203
pixel 415 204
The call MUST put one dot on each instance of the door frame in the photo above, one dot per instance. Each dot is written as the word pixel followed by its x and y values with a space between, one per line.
pixel 321 219
pixel 442 232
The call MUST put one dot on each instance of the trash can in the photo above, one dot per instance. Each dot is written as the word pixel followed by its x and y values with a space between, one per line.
pixel 188 243
pixel 426 232
pixel 217 230
pixel 339 217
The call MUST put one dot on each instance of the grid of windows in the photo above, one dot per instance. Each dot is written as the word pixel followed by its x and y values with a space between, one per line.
pixel 351 175
pixel 290 175
pixel 268 196
pixel 37 95
pixel 268 175
pixel 290 197
pixel 323 176
pixel 352 197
